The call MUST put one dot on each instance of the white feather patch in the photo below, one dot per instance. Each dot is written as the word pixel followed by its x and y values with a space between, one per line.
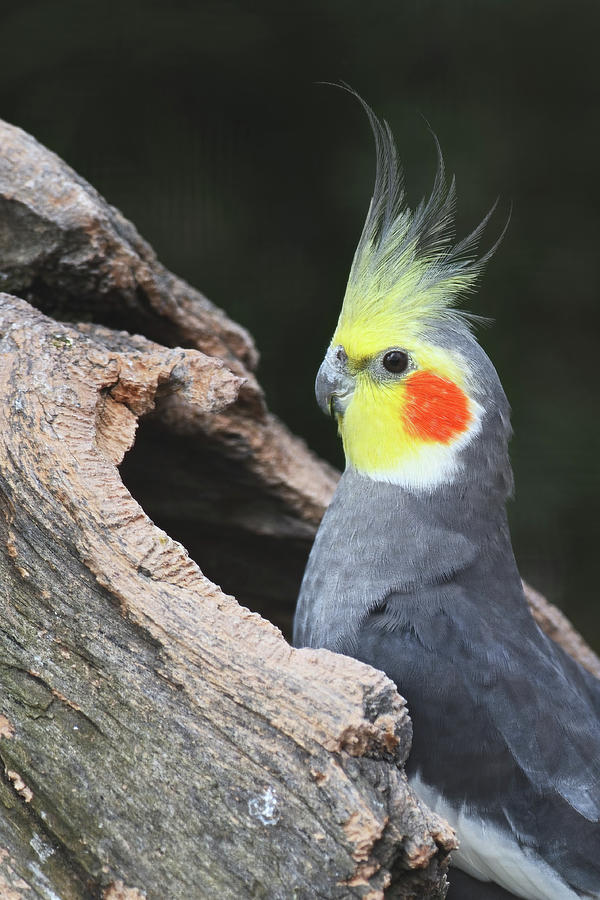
pixel 432 464
pixel 490 854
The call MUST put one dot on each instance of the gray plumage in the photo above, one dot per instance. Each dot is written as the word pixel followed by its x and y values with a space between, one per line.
pixel 412 569
pixel 423 584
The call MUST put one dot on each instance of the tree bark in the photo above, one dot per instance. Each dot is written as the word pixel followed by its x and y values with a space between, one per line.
pixel 156 738
pixel 155 732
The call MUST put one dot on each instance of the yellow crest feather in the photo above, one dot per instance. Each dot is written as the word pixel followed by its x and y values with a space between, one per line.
pixel 407 271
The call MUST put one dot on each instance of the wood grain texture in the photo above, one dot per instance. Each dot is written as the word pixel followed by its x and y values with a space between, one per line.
pixel 73 256
pixel 156 733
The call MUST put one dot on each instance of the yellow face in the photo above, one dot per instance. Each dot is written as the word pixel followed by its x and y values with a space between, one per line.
pixel 408 410
pixel 403 418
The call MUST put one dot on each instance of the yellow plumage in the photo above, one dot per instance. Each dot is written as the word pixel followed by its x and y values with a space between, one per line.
pixel 407 271
pixel 376 436
pixel 406 278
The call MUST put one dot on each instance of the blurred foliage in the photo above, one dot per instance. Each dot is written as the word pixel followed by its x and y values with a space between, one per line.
pixel 203 122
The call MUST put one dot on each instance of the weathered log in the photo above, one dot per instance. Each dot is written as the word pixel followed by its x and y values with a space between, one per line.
pixel 155 736
pixel 154 731
pixel 74 257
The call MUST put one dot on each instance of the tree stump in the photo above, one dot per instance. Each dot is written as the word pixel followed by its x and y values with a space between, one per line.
pixel 156 738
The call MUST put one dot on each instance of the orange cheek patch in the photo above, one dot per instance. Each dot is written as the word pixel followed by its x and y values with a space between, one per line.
pixel 436 409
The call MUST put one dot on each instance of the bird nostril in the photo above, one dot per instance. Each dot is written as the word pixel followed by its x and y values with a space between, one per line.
pixel 341 355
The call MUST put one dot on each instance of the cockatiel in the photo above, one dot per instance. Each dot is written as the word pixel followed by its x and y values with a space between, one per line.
pixel 412 569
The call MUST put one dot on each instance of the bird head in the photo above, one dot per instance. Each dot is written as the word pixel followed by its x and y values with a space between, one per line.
pixel 404 377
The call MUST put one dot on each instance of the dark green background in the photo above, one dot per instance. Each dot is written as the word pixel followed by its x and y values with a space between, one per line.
pixel 202 122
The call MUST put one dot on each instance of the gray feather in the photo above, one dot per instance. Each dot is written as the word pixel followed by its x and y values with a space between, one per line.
pixel 424 585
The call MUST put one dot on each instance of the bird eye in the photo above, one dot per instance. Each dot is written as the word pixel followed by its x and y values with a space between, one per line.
pixel 396 361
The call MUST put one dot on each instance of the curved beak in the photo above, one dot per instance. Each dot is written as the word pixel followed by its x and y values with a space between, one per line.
pixel 334 385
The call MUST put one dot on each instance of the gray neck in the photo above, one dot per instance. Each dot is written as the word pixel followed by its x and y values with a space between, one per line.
pixel 378 538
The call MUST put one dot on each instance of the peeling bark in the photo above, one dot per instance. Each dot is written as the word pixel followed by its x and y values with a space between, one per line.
pixel 154 732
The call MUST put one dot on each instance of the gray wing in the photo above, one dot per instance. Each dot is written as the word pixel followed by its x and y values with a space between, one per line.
pixel 503 721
